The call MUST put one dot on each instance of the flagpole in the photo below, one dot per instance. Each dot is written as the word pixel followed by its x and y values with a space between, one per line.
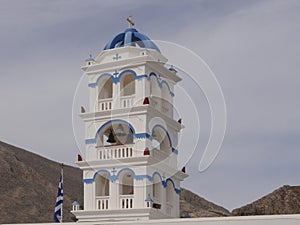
pixel 62 180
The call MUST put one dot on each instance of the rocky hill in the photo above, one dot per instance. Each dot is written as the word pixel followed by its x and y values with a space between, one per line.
pixel 29 182
pixel 28 186
pixel 196 206
pixel 284 200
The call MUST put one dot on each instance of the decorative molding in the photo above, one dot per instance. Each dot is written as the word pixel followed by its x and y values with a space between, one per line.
pixel 135 135
pixel 116 77
pixel 113 177
pixel 160 82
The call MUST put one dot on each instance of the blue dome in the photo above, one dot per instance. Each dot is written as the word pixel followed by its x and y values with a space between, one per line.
pixel 131 37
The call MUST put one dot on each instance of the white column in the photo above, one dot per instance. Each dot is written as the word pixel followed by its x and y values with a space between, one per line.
pixel 113 195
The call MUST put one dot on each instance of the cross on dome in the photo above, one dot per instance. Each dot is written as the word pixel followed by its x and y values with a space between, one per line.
pixel 130 21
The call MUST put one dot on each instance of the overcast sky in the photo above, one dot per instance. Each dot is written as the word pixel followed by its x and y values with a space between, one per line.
pixel 251 46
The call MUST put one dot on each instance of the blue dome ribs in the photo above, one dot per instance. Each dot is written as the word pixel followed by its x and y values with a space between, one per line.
pixel 131 37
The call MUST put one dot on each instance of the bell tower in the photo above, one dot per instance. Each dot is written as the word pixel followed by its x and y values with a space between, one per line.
pixel 130 167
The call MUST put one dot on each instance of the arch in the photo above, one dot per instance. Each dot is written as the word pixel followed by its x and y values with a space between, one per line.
pixel 100 77
pixel 127 84
pixel 102 182
pixel 114 121
pixel 126 181
pixel 161 141
pixel 101 171
pixel 129 71
pixel 126 169
pixel 105 88
pixel 161 82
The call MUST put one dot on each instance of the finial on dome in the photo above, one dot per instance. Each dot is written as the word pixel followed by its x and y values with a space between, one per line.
pixel 130 21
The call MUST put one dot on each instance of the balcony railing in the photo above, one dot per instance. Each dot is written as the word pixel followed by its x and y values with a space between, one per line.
pixel 127 101
pixel 126 201
pixel 108 104
pixel 102 202
pixel 105 104
pixel 116 152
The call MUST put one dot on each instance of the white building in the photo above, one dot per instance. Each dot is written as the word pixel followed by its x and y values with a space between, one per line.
pixel 130 169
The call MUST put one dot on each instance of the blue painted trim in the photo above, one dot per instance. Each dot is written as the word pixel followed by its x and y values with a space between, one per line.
pixel 88 181
pixel 143 135
pixel 161 82
pixel 135 135
pixel 172 182
pixel 175 151
pixel 128 37
pixel 166 131
pixel 90 141
pixel 117 77
pixel 114 121
pixel 113 177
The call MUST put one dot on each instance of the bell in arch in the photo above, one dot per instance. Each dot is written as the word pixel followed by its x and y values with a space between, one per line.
pixel 111 137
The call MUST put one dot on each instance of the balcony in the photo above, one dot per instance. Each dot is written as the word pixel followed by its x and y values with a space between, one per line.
pixel 105 104
pixel 117 152
pixel 126 201
pixel 127 101
pixel 108 103
pixel 102 202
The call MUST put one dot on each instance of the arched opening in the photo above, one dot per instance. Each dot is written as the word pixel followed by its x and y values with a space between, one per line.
pixel 126 183
pixel 105 88
pixel 102 184
pixel 160 140
pixel 115 134
pixel 156 188
pixel 169 197
pixel 126 189
pixel 127 85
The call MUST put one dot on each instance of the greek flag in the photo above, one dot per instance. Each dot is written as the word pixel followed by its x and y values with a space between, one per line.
pixel 59 201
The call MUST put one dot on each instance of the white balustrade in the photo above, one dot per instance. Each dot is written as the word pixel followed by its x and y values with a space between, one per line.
pixel 102 202
pixel 127 101
pixel 116 152
pixel 126 201
pixel 105 104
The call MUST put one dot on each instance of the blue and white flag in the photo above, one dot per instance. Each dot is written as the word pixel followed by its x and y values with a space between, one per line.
pixel 59 201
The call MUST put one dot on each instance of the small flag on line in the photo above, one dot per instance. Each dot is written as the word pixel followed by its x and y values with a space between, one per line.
pixel 59 200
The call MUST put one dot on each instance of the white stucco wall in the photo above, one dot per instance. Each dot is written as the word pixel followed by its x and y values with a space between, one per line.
pixel 244 220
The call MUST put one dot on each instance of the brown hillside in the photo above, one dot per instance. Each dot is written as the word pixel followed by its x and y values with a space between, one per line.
pixel 29 184
pixel 196 206
pixel 284 200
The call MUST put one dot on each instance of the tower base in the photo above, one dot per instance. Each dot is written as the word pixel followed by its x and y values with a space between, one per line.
pixel 119 215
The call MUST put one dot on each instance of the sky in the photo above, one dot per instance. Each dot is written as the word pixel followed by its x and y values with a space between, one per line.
pixel 251 46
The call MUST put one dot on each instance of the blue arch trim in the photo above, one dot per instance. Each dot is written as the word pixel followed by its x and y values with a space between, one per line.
pixel 114 121
pixel 114 177
pixel 168 135
pixel 161 82
pixel 135 135
pixel 173 184
pixel 116 78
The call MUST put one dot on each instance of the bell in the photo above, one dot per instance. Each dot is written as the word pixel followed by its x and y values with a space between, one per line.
pixel 120 131
pixel 111 137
